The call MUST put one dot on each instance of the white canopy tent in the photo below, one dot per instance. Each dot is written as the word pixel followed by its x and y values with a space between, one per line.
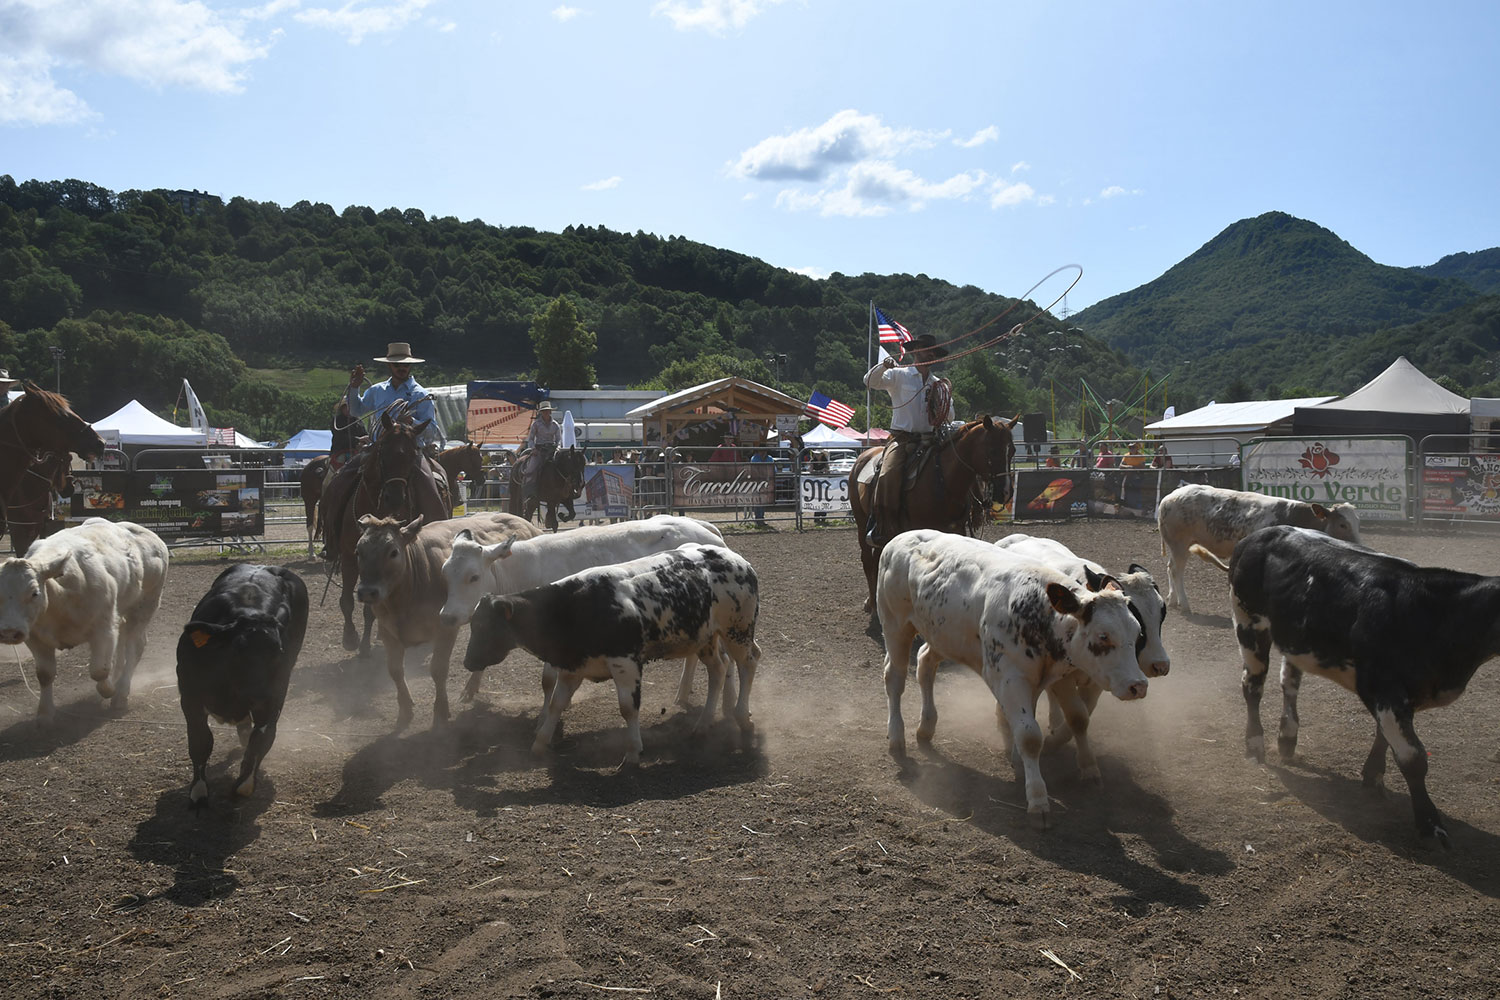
pixel 133 424
pixel 1211 435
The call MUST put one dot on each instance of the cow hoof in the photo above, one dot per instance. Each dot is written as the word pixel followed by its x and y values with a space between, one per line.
pixel 1092 776
pixel 540 748
pixel 1040 819
pixel 1442 837
pixel 198 796
pixel 105 688
pixel 351 640
pixel 1286 749
pixel 1374 786
pixel 246 788
pixel 1255 746
pixel 898 749
pixel 403 718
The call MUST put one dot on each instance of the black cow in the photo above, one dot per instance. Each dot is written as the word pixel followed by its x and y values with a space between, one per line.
pixel 234 662
pixel 1400 636
pixel 607 622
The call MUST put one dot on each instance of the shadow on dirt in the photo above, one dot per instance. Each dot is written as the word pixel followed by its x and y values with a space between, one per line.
pixel 197 845
pixel 1090 826
pixel 1207 621
pixel 30 739
pixel 1385 818
pixel 466 756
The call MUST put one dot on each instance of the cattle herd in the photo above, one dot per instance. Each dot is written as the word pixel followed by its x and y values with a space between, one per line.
pixel 1026 614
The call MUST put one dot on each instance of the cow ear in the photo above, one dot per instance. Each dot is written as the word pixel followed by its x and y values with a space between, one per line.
pixel 1320 512
pixel 499 550
pixel 367 520
pixel 1138 568
pixel 410 528
pixel 466 534
pixel 1064 601
pixel 50 569
pixel 1095 581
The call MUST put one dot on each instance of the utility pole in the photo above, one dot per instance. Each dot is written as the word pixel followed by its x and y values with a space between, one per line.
pixel 778 365
pixel 57 355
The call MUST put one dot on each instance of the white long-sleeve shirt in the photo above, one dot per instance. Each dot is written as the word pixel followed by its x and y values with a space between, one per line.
pixel 908 391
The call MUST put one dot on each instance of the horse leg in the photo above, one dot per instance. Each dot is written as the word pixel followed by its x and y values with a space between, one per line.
pixel 551 521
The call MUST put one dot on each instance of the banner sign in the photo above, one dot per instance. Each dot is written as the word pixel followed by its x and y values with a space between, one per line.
pixel 180 503
pixel 1461 486
pixel 501 412
pixel 1370 473
pixel 608 491
pixel 824 493
pixel 1051 494
pixel 740 484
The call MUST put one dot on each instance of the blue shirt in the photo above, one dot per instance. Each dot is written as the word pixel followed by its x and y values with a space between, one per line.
pixel 382 396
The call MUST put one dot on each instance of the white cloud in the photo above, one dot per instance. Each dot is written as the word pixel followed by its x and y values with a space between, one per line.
pixel 809 154
pixel 1020 166
pixel 605 185
pixel 357 19
pixel 161 43
pixel 565 13
pixel 446 27
pixel 876 187
pixel 816 273
pixel 988 134
pixel 714 16
pixel 1046 199
pixel 1115 191
pixel 268 10
pixel 1004 194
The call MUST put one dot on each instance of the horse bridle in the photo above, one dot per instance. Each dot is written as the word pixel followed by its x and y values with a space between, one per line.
pixel 997 484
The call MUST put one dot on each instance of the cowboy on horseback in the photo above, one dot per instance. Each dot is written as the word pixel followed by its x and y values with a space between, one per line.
pixel 398 395
pixel 541 443
pixel 919 406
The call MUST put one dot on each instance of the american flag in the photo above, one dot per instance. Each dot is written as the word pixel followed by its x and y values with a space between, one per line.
pixel 891 332
pixel 830 411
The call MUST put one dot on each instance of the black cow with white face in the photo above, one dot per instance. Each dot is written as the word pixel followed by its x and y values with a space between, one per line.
pixel 234 662
pixel 1400 636
pixel 605 623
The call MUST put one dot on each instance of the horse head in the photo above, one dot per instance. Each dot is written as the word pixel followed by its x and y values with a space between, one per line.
pixel 43 422
pixel 569 463
pixel 398 458
pixel 993 454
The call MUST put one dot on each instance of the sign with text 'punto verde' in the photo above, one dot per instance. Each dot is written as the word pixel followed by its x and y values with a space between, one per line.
pixel 1371 473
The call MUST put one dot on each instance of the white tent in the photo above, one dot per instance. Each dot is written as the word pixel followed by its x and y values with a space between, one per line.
pixel 1212 434
pixel 133 424
pixel 822 435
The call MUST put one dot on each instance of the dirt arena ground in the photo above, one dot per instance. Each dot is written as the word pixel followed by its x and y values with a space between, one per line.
pixel 450 863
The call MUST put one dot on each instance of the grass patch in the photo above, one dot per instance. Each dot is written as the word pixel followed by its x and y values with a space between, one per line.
pixel 274 553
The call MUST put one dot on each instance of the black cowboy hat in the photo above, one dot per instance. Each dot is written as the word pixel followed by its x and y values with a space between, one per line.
pixel 925 344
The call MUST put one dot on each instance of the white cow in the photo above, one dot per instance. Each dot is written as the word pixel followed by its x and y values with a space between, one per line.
pixel 473 571
pixel 98 583
pixel 1218 518
pixel 1145 603
pixel 1019 624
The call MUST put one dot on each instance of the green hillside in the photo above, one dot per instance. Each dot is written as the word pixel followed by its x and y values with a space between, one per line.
pixel 1256 303
pixel 1481 271
pixel 139 294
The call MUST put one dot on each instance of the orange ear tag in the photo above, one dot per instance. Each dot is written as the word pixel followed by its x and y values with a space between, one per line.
pixel 200 639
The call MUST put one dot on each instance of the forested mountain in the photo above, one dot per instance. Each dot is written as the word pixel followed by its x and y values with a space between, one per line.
pixel 1480 271
pixel 139 293
pixel 1269 303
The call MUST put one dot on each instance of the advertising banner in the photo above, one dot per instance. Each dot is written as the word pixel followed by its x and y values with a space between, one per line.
pixel 179 503
pixel 1461 486
pixel 822 494
pixel 1371 473
pixel 1051 494
pixel 608 491
pixel 740 484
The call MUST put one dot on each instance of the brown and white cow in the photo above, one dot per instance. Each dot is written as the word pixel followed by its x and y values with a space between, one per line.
pixel 1077 692
pixel 98 583
pixel 606 623
pixel 1019 624
pixel 1216 519
pixel 401 578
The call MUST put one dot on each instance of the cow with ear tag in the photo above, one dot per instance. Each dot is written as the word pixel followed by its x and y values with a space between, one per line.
pixel 234 662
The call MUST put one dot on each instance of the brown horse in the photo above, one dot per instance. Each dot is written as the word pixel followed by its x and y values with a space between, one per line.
pixel 37 432
pixel 28 502
pixel 395 480
pixel 970 471
pixel 310 487
pixel 465 458
pixel 559 481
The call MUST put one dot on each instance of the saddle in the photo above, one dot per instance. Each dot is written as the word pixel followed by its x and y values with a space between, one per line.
pixel 916 462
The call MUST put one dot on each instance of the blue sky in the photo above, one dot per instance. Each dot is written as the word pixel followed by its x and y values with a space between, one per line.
pixel 982 143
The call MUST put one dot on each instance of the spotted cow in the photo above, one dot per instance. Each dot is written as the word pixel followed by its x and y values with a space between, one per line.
pixel 607 622
pixel 1399 636
pixel 1217 518
pixel 1021 625
pixel 1077 692
pixel 234 662
pixel 99 583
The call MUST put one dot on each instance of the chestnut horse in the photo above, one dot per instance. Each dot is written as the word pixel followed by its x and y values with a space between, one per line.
pixel 37 432
pixel 559 480
pixel 970 471
pixel 395 480
pixel 465 458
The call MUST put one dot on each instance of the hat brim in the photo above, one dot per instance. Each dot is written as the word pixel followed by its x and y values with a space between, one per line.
pixel 402 361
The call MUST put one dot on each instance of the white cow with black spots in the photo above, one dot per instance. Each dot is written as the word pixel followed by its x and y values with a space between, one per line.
pixel 605 623
pixel 97 584
pixel 1019 624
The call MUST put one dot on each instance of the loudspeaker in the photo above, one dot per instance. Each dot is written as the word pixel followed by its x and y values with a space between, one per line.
pixel 1034 428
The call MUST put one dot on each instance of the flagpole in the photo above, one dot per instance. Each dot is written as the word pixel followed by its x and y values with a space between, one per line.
pixel 869 363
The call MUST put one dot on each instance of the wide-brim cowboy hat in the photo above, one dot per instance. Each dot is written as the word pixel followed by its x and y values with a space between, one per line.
pixel 925 344
pixel 544 405
pixel 6 381
pixel 399 354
